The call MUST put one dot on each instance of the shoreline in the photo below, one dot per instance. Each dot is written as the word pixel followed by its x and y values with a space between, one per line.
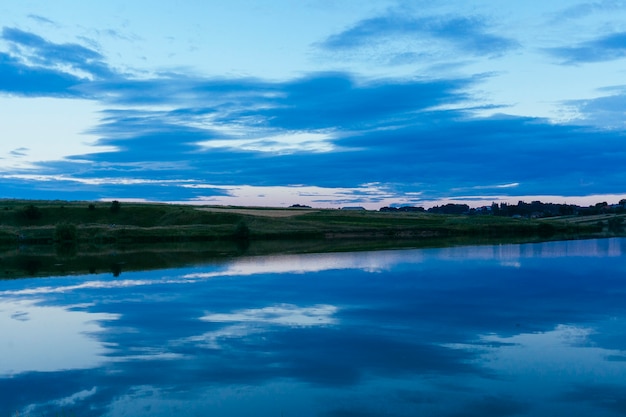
pixel 66 238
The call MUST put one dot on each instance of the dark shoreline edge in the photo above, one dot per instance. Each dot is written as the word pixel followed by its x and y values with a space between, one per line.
pixel 60 260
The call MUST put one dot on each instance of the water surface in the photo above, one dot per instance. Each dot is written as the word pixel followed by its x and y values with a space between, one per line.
pixel 507 330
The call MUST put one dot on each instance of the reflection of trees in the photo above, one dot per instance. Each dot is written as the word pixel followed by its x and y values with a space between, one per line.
pixel 30 264
pixel 116 269
pixel 66 250
pixel 616 224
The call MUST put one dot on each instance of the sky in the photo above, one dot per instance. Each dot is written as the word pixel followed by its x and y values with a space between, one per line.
pixel 321 103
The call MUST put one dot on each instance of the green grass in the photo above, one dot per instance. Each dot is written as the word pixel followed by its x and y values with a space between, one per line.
pixel 38 222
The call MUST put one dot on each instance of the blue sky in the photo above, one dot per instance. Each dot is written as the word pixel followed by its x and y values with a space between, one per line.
pixel 324 103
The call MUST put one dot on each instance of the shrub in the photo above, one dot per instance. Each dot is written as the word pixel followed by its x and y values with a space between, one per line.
pixel 65 233
pixel 242 231
pixel 546 230
pixel 616 224
pixel 31 212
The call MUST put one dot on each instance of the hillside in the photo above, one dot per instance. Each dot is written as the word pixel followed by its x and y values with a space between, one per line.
pixel 46 222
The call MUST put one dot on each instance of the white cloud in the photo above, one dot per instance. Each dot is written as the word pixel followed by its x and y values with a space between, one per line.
pixel 293 142
pixel 45 338
pixel 281 314
pixel 260 320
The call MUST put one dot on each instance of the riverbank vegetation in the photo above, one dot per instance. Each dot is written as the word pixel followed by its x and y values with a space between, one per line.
pixel 40 238
pixel 48 222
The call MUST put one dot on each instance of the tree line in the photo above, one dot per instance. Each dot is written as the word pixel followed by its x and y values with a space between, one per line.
pixel 536 209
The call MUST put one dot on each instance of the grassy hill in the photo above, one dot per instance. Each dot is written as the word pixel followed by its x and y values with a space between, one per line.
pixel 42 222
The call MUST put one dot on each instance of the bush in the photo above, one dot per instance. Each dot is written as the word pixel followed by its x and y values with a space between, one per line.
pixel 616 224
pixel 65 233
pixel 242 232
pixel 546 230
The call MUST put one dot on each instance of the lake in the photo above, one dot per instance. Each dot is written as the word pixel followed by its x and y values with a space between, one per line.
pixel 504 330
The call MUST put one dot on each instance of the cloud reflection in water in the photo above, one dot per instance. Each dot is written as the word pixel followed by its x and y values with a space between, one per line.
pixel 489 331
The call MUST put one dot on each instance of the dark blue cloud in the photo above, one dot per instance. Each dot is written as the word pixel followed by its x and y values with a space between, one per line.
pixel 494 406
pixel 442 152
pixel 323 101
pixel 470 34
pixel 48 54
pixel 17 78
pixel 37 67
pixel 606 111
pixel 605 396
pixel 607 48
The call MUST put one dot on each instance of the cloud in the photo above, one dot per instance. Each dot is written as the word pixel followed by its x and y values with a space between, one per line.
pixel 606 396
pixel 605 111
pixel 333 100
pixel 20 79
pixel 606 48
pixel 35 67
pixel 37 51
pixel 468 34
pixel 494 405
pixel 19 152
pixel 582 10
pixel 41 19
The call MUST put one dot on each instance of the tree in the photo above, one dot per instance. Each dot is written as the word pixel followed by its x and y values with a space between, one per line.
pixel 31 212
pixel 115 206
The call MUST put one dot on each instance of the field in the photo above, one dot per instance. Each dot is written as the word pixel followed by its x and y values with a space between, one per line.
pixel 45 222
pixel 263 212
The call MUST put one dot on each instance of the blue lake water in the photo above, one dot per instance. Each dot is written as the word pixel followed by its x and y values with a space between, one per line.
pixel 508 330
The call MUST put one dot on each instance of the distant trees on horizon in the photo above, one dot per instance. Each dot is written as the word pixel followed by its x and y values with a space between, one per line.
pixel 523 209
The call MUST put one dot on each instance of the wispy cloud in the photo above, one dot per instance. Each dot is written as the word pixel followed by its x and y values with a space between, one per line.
pixel 606 48
pixel 471 34
pixel 70 58
pixel 41 19
pixel 584 9
pixel 19 152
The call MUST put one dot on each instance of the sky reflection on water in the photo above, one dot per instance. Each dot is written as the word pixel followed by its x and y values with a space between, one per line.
pixel 506 330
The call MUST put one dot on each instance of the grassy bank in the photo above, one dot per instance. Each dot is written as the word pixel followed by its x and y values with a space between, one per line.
pixel 42 238
pixel 49 222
